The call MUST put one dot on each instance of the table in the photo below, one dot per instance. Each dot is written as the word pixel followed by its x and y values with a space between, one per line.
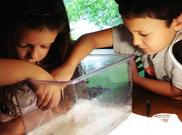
pixel 158 104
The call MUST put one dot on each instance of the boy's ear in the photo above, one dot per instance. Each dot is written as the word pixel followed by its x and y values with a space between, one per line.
pixel 178 23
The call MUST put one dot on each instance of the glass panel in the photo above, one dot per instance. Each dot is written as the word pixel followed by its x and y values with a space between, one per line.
pixel 98 97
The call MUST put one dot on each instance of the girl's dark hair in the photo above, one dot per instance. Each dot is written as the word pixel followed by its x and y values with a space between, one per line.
pixel 34 14
pixel 159 9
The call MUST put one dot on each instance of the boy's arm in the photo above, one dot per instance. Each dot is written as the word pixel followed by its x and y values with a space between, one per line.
pixel 160 87
pixel 82 48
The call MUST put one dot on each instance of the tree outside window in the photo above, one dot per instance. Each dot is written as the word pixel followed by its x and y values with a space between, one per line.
pixel 91 15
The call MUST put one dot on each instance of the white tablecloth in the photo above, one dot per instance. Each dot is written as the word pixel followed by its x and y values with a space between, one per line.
pixel 141 125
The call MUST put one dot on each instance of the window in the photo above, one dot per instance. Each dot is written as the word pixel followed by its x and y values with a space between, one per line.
pixel 91 15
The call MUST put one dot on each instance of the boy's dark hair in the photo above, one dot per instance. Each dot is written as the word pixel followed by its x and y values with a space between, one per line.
pixel 159 9
pixel 34 14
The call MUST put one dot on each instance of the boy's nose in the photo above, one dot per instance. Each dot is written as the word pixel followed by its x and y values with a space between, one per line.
pixel 136 41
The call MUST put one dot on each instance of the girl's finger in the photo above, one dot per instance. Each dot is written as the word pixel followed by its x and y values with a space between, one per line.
pixel 40 98
pixel 53 102
pixel 45 101
pixel 62 94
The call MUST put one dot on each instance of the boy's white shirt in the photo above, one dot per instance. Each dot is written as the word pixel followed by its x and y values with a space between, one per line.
pixel 165 68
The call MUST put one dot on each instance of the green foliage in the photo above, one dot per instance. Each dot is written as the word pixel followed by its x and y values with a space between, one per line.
pixel 101 12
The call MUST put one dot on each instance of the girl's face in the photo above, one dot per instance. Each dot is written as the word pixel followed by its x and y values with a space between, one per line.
pixel 149 34
pixel 35 44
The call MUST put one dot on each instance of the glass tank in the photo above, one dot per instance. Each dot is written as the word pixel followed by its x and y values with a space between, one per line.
pixel 94 101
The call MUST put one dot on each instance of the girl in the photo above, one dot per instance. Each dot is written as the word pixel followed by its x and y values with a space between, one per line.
pixel 33 37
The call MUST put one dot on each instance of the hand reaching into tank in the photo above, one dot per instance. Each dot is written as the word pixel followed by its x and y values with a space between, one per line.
pixel 48 96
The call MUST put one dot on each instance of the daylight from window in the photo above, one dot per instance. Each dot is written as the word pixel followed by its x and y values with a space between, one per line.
pixel 91 15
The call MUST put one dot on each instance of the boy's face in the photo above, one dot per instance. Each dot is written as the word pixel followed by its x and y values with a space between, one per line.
pixel 149 34
pixel 35 44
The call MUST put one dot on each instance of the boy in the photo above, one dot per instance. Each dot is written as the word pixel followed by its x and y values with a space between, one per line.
pixel 150 28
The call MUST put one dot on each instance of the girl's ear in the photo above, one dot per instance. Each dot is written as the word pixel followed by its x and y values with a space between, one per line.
pixel 178 23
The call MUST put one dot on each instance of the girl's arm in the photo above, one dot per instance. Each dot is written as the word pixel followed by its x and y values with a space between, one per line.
pixel 82 48
pixel 13 71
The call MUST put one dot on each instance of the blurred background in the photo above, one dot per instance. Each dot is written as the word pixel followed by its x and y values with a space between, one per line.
pixel 91 15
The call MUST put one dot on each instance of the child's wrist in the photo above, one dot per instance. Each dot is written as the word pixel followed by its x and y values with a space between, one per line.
pixel 40 74
pixel 136 78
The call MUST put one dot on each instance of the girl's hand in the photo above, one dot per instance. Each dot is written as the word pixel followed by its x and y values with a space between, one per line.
pixel 48 96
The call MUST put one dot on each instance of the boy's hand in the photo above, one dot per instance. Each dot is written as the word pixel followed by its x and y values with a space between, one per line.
pixel 134 70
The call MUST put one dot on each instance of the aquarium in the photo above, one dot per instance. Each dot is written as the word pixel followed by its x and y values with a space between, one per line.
pixel 93 102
